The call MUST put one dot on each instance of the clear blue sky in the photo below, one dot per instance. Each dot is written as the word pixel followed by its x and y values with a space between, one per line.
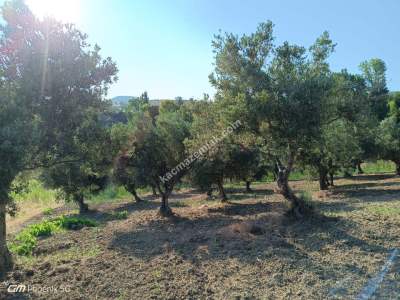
pixel 164 47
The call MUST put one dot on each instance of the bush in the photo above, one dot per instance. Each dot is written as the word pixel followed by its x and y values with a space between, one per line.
pixel 24 245
pixel 74 222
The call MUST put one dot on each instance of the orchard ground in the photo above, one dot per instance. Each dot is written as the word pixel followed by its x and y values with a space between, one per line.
pixel 247 248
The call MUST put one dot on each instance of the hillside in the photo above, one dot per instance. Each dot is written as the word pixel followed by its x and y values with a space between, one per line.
pixel 122 101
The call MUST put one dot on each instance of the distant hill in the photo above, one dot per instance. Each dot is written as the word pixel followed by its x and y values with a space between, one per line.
pixel 123 101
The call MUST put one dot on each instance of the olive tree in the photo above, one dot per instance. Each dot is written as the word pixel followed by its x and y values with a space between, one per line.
pixel 51 79
pixel 278 92
pixel 155 150
pixel 388 135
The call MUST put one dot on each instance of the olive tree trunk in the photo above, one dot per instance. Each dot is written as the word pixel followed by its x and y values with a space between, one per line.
pixel 153 189
pixel 248 189
pixel 165 210
pixel 83 207
pixel 359 169
pixel 397 167
pixel 209 193
pixel 136 196
pixel 297 204
pixel 5 256
pixel 331 179
pixel 323 179
pixel 221 189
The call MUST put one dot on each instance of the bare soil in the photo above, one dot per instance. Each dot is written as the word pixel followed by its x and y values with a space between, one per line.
pixel 248 248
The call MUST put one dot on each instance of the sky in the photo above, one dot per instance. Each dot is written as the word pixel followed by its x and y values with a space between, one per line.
pixel 164 47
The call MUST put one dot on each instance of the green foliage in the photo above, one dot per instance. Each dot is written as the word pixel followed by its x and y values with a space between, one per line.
pixel 66 222
pixel 374 73
pixel 394 105
pixel 120 215
pixel 111 193
pixel 26 241
pixel 151 146
pixel 388 139
pixel 379 166
pixel 34 191
pixel 51 104
pixel 48 211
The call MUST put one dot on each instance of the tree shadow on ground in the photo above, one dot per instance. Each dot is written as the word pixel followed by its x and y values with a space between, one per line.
pixel 242 209
pixel 368 185
pixel 221 234
pixel 254 191
pixel 369 195
pixel 105 215
pixel 334 206
pixel 364 177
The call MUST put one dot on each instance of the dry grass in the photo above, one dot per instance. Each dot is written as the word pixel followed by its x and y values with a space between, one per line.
pixel 245 249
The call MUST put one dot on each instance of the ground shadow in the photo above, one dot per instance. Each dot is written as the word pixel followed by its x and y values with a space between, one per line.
pixel 368 185
pixel 369 195
pixel 212 237
pixel 242 209
pixel 104 215
pixel 382 176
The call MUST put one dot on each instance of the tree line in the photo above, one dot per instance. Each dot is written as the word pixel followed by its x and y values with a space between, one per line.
pixel 293 111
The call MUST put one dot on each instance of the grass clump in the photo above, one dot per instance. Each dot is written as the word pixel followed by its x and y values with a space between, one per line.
pixel 48 211
pixel 35 192
pixel 26 241
pixel 384 210
pixel 111 193
pixel 120 215
pixel 380 166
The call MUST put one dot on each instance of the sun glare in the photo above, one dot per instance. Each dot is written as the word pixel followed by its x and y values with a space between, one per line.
pixel 63 10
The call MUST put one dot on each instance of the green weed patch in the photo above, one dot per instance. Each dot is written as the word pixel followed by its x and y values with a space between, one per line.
pixel 26 241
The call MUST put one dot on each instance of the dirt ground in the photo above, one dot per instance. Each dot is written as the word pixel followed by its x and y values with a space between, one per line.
pixel 245 249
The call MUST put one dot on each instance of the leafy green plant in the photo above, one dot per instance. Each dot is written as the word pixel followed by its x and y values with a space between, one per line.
pixel 26 241
pixel 74 222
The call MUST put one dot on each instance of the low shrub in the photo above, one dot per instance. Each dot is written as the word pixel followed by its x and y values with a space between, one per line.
pixel 74 222
pixel 26 240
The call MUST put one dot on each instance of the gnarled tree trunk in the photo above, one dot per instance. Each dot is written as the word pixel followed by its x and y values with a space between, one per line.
pixel 209 193
pixel 5 256
pixel 323 180
pixel 331 179
pixel 397 167
pixel 298 205
pixel 331 172
pixel 132 189
pixel 83 207
pixel 221 189
pixel 136 196
pixel 359 169
pixel 165 210
pixel 248 189
pixel 346 174
pixel 153 189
